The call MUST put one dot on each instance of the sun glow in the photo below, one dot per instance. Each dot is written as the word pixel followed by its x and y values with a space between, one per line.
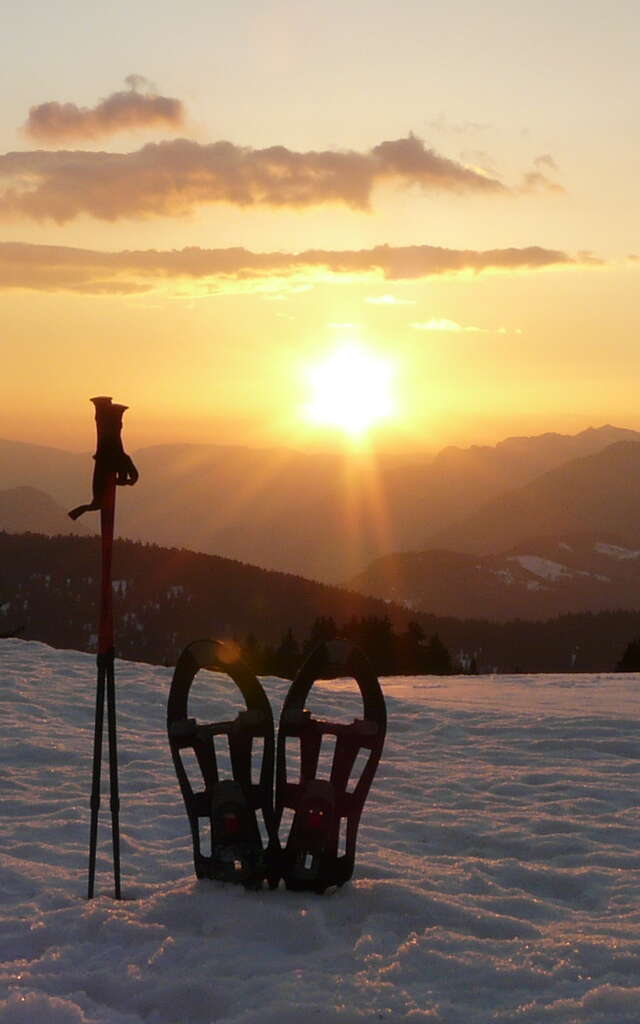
pixel 351 390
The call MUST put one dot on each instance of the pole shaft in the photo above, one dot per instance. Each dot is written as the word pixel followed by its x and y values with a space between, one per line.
pixel 95 782
pixel 106 682
pixel 113 774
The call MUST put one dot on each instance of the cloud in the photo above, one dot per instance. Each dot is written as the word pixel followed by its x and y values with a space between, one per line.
pixel 175 177
pixel 60 268
pixel 55 122
pixel 455 328
pixel 448 325
pixel 546 160
pixel 536 181
pixel 389 300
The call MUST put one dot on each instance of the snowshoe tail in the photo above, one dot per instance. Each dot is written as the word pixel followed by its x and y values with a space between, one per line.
pixel 327 811
pixel 227 807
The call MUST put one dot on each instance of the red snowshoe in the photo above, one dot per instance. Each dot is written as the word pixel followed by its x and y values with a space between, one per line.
pixel 320 849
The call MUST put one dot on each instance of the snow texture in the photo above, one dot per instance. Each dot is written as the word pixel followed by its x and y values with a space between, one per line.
pixel 497 877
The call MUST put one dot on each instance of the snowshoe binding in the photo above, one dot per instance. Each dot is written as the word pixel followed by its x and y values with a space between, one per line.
pixel 228 807
pixel 326 812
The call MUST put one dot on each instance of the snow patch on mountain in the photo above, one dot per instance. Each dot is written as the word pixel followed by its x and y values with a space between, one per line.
pixel 504 574
pixel 542 567
pixel 615 551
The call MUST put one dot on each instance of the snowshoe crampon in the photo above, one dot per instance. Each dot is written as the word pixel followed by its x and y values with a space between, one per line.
pixel 320 849
pixel 226 808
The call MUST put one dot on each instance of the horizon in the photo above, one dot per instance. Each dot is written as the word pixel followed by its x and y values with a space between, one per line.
pixel 341 447
pixel 205 238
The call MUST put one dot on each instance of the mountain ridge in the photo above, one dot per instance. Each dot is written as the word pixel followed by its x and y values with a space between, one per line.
pixel 537 579
pixel 325 516
pixel 28 509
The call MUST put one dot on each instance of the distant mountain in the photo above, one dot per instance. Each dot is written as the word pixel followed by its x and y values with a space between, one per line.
pixel 58 473
pixel 595 494
pixel 535 581
pixel 27 509
pixel 324 516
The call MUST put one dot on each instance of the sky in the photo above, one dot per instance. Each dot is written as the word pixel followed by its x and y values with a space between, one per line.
pixel 201 206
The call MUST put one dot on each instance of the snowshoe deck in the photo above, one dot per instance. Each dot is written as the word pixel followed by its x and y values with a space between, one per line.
pixel 320 849
pixel 228 807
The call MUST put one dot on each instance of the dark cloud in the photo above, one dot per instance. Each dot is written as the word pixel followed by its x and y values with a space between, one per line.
pixel 129 109
pixel 409 159
pixel 60 268
pixel 174 178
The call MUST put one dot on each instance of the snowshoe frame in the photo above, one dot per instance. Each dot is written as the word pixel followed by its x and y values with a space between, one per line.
pixel 229 806
pixel 311 860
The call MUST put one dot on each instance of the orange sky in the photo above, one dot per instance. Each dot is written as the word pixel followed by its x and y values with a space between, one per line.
pixel 455 192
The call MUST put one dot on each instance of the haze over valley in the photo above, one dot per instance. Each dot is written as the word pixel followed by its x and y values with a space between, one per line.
pixel 531 527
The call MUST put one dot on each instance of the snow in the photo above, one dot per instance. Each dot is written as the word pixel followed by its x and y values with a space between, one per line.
pixel 543 567
pixel 614 551
pixel 549 570
pixel 497 876
pixel 504 574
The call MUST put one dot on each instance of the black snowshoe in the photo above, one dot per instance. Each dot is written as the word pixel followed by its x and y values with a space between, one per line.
pixel 320 849
pixel 228 807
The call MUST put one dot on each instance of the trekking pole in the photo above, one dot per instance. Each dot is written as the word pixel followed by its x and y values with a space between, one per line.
pixel 112 467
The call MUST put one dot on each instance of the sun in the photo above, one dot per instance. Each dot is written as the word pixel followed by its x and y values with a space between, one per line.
pixel 351 390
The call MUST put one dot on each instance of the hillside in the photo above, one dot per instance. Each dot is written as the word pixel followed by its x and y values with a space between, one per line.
pixel 535 580
pixel 27 509
pixel 164 597
pixel 597 493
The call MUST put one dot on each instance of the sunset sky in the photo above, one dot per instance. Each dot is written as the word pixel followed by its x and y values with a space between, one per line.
pixel 201 204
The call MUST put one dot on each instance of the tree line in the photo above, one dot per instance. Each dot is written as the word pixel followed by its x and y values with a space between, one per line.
pixel 406 652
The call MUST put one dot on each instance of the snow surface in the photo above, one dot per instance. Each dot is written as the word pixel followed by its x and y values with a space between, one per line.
pixel 497 877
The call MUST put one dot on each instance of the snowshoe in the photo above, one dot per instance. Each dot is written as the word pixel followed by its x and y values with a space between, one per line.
pixel 229 807
pixel 320 849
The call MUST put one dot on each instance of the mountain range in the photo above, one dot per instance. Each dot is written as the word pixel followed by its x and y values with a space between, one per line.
pixel 598 492
pixel 328 516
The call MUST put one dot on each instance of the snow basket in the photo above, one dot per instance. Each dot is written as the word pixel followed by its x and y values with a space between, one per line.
pixel 226 808
pixel 320 849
